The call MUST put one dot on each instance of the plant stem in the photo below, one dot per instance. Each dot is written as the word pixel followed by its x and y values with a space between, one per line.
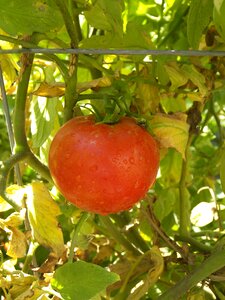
pixel 172 244
pixel 213 263
pixel 195 243
pixel 30 255
pixel 20 104
pixel 70 27
pixel 183 193
pixel 39 167
pixel 71 83
pixel 75 235
pixel 132 234
pixel 116 234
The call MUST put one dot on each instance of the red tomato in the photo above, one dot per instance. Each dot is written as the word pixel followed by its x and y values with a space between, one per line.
pixel 103 168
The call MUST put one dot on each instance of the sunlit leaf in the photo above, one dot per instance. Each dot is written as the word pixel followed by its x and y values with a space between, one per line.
pixel 82 280
pixel 17 244
pixel 43 116
pixel 9 69
pixel 42 214
pixel 171 131
pixel 4 206
pixel 28 16
pixel 14 192
pixel 50 90
pixel 14 220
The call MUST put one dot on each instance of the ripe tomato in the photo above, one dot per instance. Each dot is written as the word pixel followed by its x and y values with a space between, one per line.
pixel 103 168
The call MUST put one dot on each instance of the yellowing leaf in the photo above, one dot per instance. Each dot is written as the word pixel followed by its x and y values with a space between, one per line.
pixel 16 193
pixel 152 276
pixel 15 219
pixel 17 244
pixel 176 75
pixel 57 89
pixel 50 90
pixel 9 69
pixel 196 77
pixel 4 206
pixel 171 131
pixel 42 214
pixel 147 97
pixel 94 84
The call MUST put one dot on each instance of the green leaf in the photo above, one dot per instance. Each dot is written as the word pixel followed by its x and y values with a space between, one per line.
pixel 82 280
pixel 165 202
pixel 43 114
pixel 28 16
pixel 218 16
pixel 222 172
pixel 106 15
pixel 199 16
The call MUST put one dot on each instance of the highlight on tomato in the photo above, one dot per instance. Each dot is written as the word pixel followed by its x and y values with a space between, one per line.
pixel 103 168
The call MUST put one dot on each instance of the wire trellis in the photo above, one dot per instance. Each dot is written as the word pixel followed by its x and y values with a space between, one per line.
pixel 93 51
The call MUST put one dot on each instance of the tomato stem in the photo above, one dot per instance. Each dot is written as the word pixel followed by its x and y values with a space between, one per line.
pixel 184 196
pixel 21 144
pixel 76 233
pixel 132 234
pixel 118 236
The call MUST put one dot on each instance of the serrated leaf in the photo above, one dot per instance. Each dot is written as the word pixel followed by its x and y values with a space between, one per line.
pixel 199 16
pixel 42 214
pixel 218 16
pixel 176 75
pixel 43 114
pixel 196 77
pixel 82 280
pixel 171 131
pixel 152 275
pixel 222 172
pixel 28 16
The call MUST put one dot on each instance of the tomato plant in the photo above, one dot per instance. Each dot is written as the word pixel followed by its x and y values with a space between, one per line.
pixel 103 168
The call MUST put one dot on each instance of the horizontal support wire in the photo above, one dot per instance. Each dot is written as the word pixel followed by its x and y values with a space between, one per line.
pixel 93 51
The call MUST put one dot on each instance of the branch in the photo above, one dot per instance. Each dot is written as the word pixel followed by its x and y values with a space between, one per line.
pixel 213 263
pixel 71 29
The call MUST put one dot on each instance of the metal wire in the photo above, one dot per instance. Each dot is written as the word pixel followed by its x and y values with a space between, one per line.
pixel 93 51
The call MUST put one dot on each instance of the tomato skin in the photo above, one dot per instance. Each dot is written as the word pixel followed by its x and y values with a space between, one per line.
pixel 103 168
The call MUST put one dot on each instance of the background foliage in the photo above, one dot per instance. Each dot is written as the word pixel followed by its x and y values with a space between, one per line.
pixel 171 244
